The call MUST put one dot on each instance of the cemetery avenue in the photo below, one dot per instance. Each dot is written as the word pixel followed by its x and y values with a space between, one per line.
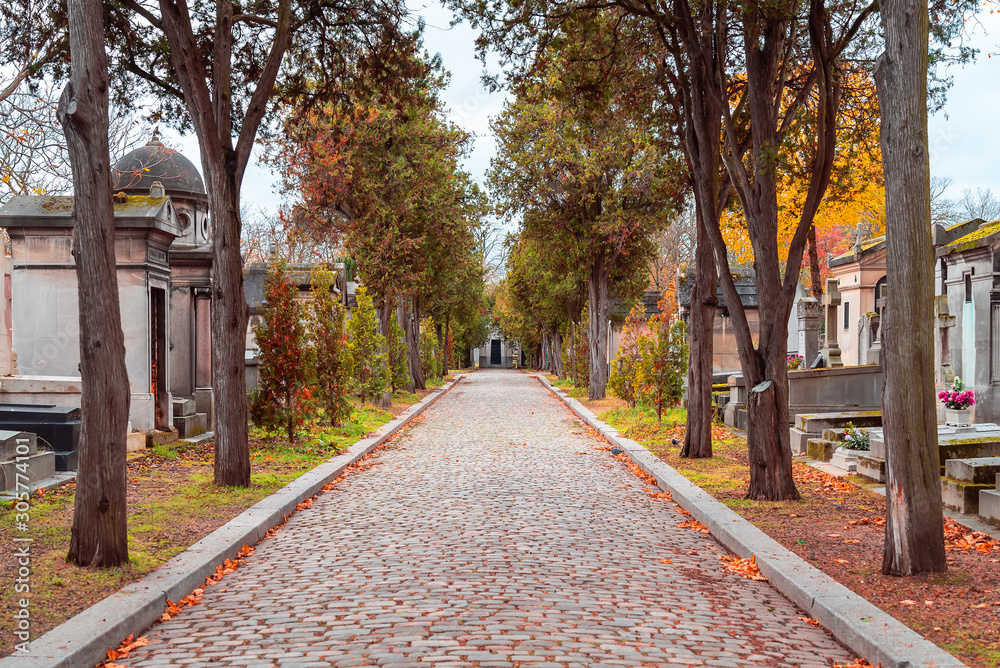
pixel 497 531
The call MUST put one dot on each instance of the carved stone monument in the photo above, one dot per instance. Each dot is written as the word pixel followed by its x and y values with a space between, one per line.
pixel 831 300
pixel 808 310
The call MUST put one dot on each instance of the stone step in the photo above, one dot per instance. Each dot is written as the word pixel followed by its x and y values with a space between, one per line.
pixel 834 434
pixel 191 425
pixel 26 470
pixel 200 438
pixel 989 505
pixel 976 470
pixel 183 407
pixel 815 423
pixel 962 496
pixel 845 459
pixel 821 449
pixel 871 467
pixel 58 479
pixel 160 437
pixel 798 440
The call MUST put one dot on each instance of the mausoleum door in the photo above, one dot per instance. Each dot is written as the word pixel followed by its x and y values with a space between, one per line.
pixel 158 358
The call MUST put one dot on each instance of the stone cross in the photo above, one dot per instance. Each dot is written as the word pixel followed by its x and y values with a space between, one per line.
pixel 808 314
pixel 831 300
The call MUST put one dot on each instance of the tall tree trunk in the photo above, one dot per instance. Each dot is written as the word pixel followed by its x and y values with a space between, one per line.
pixel 914 538
pixel 597 290
pixel 701 329
pixel 98 536
pixel 229 325
pixel 411 328
pixel 385 311
pixel 557 354
pixel 572 352
pixel 816 283
pixel 209 104
pixel 401 318
pixel 444 345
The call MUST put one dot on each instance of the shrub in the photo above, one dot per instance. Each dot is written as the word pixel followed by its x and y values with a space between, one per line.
pixel 624 381
pixel 366 350
pixel 430 349
pixel 397 356
pixel 327 356
pixel 280 338
pixel 664 362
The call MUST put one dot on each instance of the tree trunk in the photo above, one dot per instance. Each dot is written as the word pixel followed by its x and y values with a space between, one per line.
pixel 914 538
pixel 229 325
pixel 385 311
pixel 597 289
pixel 411 328
pixel 816 283
pixel 99 534
pixel 444 345
pixel 701 329
pixel 572 353
pixel 557 354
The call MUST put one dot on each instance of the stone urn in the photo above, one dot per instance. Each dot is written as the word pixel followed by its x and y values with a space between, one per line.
pixel 956 417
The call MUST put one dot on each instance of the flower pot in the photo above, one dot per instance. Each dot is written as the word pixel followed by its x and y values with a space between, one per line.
pixel 956 417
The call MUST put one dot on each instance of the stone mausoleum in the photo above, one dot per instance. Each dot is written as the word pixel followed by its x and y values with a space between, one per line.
pixel 163 253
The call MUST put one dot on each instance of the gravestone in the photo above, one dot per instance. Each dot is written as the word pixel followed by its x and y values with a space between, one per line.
pixel 808 315
pixel 831 300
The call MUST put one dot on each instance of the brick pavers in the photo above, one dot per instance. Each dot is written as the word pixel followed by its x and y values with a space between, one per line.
pixel 493 533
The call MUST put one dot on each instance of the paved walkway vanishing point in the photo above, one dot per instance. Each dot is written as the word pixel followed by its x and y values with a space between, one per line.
pixel 493 533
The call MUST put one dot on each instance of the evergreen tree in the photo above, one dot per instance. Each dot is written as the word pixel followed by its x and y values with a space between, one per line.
pixel 366 350
pixel 280 338
pixel 328 357
pixel 430 349
pixel 397 352
pixel 624 381
pixel 664 362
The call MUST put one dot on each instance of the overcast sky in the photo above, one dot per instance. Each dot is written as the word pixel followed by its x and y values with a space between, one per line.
pixel 964 138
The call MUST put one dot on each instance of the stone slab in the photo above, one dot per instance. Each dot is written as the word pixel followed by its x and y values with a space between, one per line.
pixel 135 441
pixel 978 470
pixel 854 621
pixel 190 426
pixel 845 459
pixel 820 449
pixel 10 440
pixel 799 440
pixel 16 474
pixel 183 407
pixel 989 505
pixel 962 496
pixel 817 422
pixel 85 639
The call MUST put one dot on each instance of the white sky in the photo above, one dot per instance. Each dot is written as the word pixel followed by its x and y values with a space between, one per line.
pixel 964 142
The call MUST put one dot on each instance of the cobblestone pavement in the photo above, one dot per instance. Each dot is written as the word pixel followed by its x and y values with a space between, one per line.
pixel 493 533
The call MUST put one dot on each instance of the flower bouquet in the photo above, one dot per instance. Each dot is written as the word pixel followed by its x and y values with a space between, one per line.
pixel 957 398
pixel 794 361
pixel 855 438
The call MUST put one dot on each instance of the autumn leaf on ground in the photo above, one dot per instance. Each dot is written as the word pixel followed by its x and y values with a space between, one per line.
pixel 127 646
pixel 693 524
pixel 665 561
pixel 745 567
pixel 661 495
pixel 808 620
pixel 857 663
pixel 961 537
pixel 907 601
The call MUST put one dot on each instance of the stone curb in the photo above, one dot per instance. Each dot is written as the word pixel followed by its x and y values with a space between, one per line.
pixel 84 640
pixel 863 628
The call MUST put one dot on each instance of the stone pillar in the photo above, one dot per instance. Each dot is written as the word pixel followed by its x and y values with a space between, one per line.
pixel 808 315
pixel 8 358
pixel 943 321
pixel 202 338
pixel 831 300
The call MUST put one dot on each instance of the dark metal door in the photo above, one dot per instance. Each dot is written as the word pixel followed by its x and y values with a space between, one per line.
pixel 495 351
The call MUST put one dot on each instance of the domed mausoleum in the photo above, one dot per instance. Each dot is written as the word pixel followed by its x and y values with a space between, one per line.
pixel 164 269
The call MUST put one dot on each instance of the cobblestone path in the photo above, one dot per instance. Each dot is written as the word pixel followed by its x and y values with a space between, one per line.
pixel 493 533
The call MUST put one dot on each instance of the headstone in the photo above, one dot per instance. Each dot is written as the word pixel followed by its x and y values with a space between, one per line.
pixel 808 315
pixel 831 300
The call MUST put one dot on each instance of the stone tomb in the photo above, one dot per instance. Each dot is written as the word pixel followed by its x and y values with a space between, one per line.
pixel 973 441
pixel 45 305
pixel 964 479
